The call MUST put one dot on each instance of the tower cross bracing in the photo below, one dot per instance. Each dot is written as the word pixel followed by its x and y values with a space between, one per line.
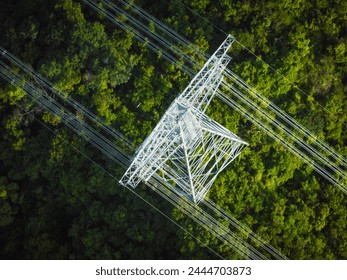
pixel 188 149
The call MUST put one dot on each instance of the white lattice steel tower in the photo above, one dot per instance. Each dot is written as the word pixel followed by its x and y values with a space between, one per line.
pixel 187 149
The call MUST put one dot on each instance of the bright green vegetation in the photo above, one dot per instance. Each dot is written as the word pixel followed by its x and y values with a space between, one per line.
pixel 55 203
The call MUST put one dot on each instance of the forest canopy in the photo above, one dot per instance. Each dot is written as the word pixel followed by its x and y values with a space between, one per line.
pixel 55 203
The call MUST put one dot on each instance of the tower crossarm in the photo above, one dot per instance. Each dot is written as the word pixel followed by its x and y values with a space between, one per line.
pixel 197 94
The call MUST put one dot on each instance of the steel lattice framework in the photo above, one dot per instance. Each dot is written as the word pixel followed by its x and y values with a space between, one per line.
pixel 187 148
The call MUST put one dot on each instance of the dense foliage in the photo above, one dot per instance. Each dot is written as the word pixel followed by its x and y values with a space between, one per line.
pixel 57 204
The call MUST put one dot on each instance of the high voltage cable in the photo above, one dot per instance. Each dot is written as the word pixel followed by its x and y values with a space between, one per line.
pixel 69 100
pixel 122 13
pixel 244 229
pixel 282 140
pixel 295 138
pixel 283 115
pixel 158 24
pixel 51 105
pixel 208 222
pixel 134 32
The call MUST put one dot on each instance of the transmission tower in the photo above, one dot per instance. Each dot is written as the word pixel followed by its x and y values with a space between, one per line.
pixel 187 148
